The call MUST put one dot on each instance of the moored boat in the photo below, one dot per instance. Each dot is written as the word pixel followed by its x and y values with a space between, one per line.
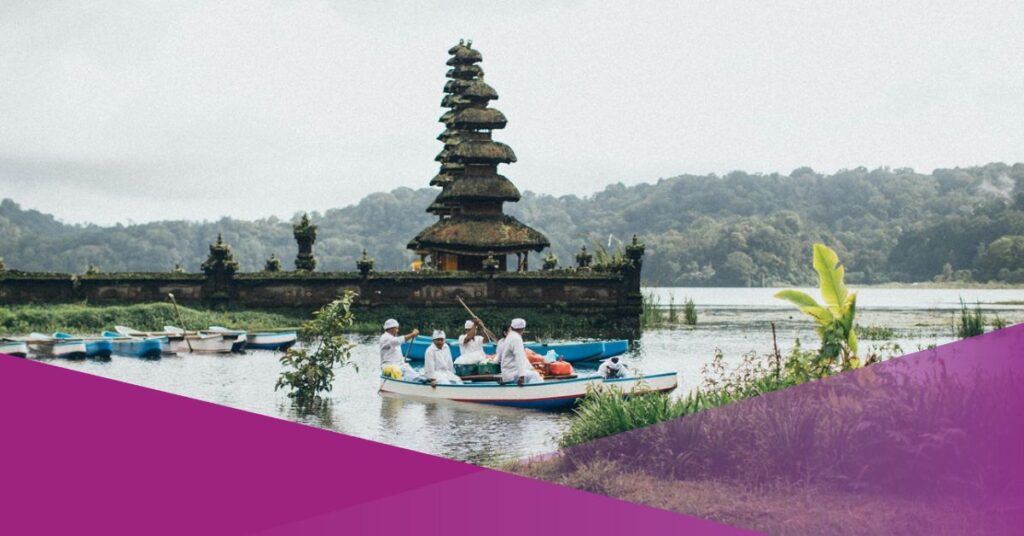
pixel 239 336
pixel 201 343
pixel 14 347
pixel 573 352
pixel 95 347
pixel 664 382
pixel 144 347
pixel 48 346
pixel 272 340
pixel 551 394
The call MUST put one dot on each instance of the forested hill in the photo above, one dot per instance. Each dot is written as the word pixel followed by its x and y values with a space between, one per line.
pixel 740 229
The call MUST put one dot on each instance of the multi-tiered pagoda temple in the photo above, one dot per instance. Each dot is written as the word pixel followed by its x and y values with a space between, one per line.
pixel 471 227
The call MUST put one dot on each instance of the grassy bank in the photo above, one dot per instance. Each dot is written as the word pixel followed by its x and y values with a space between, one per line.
pixel 84 319
pixel 88 319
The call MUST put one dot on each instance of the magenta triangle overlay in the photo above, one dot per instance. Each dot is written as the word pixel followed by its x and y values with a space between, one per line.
pixel 84 454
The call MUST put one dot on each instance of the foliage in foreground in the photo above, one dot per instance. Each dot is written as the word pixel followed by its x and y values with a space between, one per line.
pixel 309 368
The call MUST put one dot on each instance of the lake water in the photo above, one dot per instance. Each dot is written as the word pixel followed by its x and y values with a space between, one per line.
pixel 736 321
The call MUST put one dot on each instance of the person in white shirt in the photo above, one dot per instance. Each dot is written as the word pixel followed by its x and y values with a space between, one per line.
pixel 500 346
pixel 437 363
pixel 391 349
pixel 613 368
pixel 515 367
pixel 471 344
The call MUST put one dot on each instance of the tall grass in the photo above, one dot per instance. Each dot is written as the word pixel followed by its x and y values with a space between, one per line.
pixel 969 323
pixel 690 313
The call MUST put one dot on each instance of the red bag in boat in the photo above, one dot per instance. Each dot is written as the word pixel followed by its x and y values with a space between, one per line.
pixel 559 368
pixel 534 357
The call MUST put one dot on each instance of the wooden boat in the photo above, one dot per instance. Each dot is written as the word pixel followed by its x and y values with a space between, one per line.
pixel 95 347
pixel 48 346
pixel 272 340
pixel 239 336
pixel 556 394
pixel 665 382
pixel 549 394
pixel 144 347
pixel 573 352
pixel 201 343
pixel 14 347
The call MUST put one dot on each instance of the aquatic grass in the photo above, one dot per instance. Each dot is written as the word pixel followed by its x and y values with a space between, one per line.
pixel 650 310
pixel 876 333
pixel 690 313
pixel 969 323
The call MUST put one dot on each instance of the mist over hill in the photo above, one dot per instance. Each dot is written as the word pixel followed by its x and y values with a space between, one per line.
pixel 734 230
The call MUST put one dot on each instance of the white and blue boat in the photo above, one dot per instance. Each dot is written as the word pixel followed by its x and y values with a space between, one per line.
pixel 272 340
pixel 573 352
pixel 17 348
pixel 47 346
pixel 546 395
pixel 238 336
pixel 144 347
pixel 95 348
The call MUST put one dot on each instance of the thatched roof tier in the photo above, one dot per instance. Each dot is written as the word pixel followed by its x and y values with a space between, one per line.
pixel 443 178
pixel 464 54
pixel 479 91
pixel 456 86
pixel 465 72
pixel 456 101
pixel 452 168
pixel 481 152
pixel 479 235
pixel 490 188
pixel 475 119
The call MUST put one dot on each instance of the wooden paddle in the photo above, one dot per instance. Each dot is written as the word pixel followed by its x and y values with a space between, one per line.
pixel 180 321
pixel 487 332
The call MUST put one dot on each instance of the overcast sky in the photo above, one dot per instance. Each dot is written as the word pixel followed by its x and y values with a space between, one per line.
pixel 137 110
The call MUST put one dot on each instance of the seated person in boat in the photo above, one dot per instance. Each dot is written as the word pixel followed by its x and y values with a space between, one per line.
pixel 499 347
pixel 391 357
pixel 613 368
pixel 471 343
pixel 437 363
pixel 515 367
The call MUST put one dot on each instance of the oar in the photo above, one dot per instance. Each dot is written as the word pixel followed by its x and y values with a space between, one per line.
pixel 472 314
pixel 180 321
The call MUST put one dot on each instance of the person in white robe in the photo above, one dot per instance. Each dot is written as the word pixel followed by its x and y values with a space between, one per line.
pixel 438 367
pixel 613 368
pixel 471 343
pixel 391 350
pixel 515 367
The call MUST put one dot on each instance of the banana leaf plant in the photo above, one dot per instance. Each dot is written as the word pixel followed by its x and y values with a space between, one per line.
pixel 834 316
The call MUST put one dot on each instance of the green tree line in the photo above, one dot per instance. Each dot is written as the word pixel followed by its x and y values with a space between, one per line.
pixel 739 229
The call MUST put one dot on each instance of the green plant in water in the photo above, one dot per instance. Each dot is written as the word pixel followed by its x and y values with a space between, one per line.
pixel 690 313
pixel 970 323
pixel 835 317
pixel 876 333
pixel 673 315
pixel 650 312
pixel 309 369
pixel 998 323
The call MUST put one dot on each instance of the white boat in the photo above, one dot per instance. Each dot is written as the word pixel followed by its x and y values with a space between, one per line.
pixel 200 343
pixel 14 347
pixel 47 346
pixel 550 394
pixel 271 340
pixel 239 335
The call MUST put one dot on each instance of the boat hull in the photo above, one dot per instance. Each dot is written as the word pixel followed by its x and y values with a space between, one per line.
pixel 73 349
pixel 15 348
pixel 99 349
pixel 271 341
pixel 665 382
pixel 551 395
pixel 578 352
pixel 145 348
pixel 212 344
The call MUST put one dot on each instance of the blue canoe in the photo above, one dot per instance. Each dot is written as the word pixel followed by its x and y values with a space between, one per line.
pixel 94 348
pixel 573 352
pixel 145 347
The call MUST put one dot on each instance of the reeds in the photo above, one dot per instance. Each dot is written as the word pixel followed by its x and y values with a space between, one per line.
pixel 970 323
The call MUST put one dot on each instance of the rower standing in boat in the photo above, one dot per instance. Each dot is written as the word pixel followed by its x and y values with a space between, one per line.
pixel 437 363
pixel 391 350
pixel 515 367
pixel 613 368
pixel 471 344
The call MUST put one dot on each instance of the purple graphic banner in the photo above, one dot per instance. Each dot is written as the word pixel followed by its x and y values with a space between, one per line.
pixel 932 442
pixel 87 455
